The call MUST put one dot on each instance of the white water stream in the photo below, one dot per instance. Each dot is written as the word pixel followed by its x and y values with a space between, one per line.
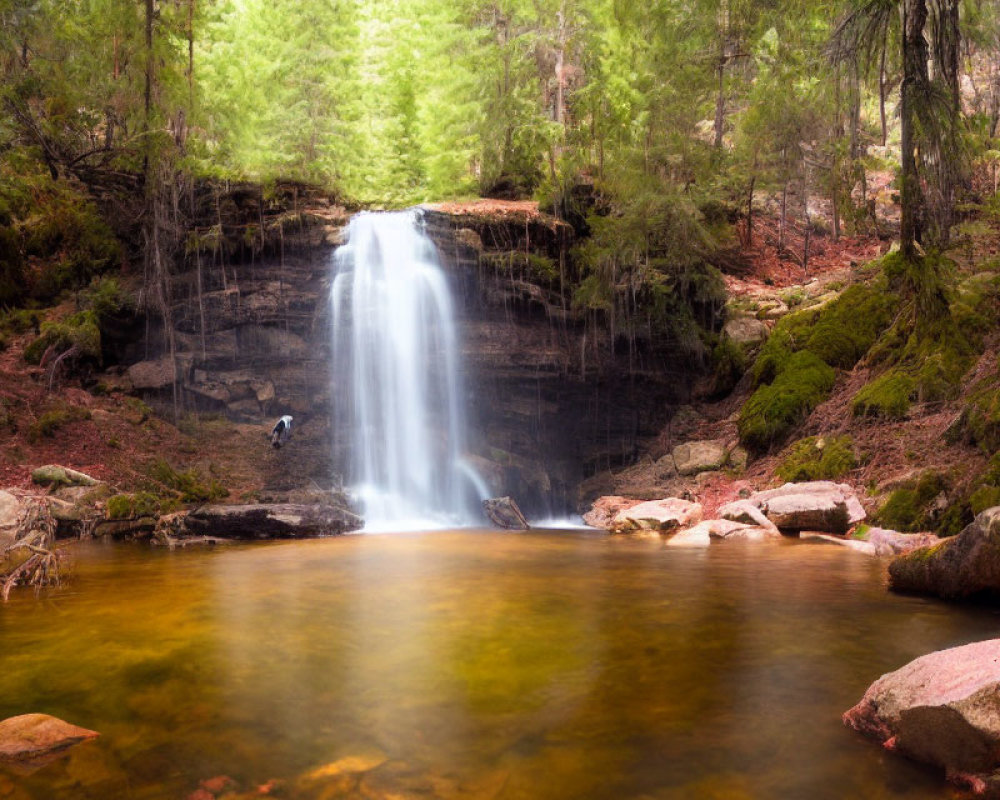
pixel 395 353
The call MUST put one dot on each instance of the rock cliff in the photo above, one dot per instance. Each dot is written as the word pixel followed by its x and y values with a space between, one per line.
pixel 553 397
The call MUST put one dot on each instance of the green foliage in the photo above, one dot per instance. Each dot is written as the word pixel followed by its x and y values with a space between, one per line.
pixel 188 484
pixel 887 396
pixel 80 330
pixel 20 320
pixel 773 410
pixel 51 421
pixel 817 458
pixel 532 267
pixel 909 508
pixel 107 299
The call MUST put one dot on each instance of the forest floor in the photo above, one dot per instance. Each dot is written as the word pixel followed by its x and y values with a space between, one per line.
pixel 111 435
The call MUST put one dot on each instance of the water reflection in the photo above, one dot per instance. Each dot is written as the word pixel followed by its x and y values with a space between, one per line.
pixel 541 665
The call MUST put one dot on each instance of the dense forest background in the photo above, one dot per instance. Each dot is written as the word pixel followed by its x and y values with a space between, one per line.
pixel 652 127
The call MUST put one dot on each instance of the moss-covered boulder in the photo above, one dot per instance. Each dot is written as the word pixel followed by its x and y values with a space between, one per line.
pixel 53 474
pixel 962 566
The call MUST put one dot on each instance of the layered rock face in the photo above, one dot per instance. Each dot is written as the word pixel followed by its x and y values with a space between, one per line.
pixel 552 397
pixel 549 399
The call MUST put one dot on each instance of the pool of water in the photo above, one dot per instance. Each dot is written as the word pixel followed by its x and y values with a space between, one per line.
pixel 470 665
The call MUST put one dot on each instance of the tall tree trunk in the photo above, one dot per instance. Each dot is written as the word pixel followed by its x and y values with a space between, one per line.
pixel 783 217
pixel 881 86
pixel 720 98
pixel 147 93
pixel 914 86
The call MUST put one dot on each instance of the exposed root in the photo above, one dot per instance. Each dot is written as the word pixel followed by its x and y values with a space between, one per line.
pixel 36 535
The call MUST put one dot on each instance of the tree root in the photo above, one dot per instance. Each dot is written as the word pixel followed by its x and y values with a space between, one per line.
pixel 36 534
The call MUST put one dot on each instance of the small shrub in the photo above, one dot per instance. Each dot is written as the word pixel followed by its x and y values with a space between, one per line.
pixel 818 458
pixel 107 299
pixel 887 396
pixel 51 421
pixel 79 330
pixel 20 320
pixel 773 410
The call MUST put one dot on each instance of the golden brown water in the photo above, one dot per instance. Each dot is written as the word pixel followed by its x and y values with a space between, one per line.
pixel 539 665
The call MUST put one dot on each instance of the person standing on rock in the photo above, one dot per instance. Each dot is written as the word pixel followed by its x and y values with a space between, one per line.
pixel 281 432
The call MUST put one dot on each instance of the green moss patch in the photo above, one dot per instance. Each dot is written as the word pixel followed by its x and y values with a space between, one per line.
pixel 887 396
pixel 188 484
pixel 774 409
pixel 140 504
pixel 818 458
pixel 51 421
pixel 909 508
pixel 848 326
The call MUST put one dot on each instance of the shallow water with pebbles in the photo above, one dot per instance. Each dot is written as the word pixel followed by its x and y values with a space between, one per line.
pixel 453 664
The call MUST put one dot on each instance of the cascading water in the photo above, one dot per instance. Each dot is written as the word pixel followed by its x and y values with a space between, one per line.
pixel 395 356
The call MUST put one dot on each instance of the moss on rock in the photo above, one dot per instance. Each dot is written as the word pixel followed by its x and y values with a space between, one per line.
pixel 909 507
pixel 773 410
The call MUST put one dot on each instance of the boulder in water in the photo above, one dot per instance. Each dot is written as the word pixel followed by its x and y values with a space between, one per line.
pixel 746 512
pixel 942 709
pixel 657 515
pixel 29 737
pixel 960 566
pixel 811 506
pixel 504 513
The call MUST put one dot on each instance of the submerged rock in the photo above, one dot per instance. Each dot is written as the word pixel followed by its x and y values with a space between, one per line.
pixel 746 512
pixel 942 709
pixel 29 737
pixel 657 515
pixel 961 566
pixel 504 513
pixel 890 543
pixel 270 521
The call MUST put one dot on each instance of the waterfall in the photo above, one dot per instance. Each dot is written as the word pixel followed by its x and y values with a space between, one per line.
pixel 396 378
